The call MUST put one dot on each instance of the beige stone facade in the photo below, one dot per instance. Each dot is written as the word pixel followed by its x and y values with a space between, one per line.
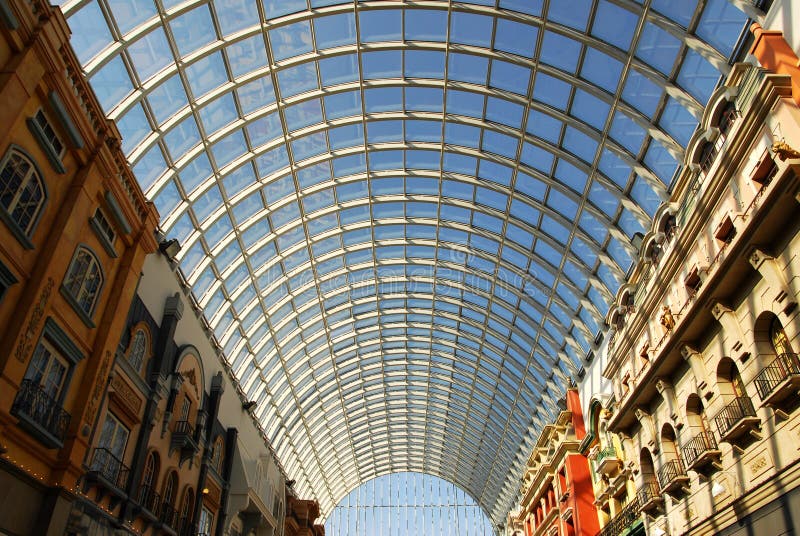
pixel 703 337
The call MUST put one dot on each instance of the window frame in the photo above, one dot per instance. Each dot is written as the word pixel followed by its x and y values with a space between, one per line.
pixel 118 425
pixel 56 340
pixel 205 523
pixel 104 229
pixel 24 236
pixel 85 316
pixel 145 347
pixel 39 124
pixel 7 280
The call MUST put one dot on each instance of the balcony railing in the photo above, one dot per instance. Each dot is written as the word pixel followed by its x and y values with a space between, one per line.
pixel 185 527
pixel 607 460
pixel 736 418
pixel 167 515
pixel 649 496
pixel 105 464
pixel 150 500
pixel 626 517
pixel 184 428
pixel 779 379
pixel 701 449
pixel 183 439
pixel 40 414
pixel 672 475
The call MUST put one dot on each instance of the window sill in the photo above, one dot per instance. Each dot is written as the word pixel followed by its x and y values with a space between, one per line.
pixel 85 318
pixel 21 237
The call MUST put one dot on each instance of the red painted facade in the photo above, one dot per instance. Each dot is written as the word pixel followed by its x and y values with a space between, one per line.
pixel 558 494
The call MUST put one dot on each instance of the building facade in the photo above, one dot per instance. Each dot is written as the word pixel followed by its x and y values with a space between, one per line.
pixel 117 414
pixel 557 493
pixel 176 448
pixel 74 233
pixel 698 434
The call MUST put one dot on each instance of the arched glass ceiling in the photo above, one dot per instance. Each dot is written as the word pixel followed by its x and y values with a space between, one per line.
pixel 404 221
pixel 407 503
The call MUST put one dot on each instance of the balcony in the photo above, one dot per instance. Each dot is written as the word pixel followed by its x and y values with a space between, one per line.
pixel 109 474
pixel 40 414
pixel 701 450
pixel 607 461
pixel 624 520
pixel 150 503
pixel 779 379
pixel 183 440
pixel 736 419
pixel 649 496
pixel 168 516
pixel 185 527
pixel 672 476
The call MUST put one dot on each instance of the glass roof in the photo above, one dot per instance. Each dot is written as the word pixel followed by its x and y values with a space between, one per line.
pixel 404 221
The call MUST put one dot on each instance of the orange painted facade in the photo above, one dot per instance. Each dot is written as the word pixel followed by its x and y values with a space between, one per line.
pixel 74 232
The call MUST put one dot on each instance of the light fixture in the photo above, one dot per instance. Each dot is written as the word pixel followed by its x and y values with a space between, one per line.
pixel 717 489
pixel 205 491
pixel 170 247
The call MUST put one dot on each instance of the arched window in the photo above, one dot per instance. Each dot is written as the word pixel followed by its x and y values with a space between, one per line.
pixel 738 415
pixel 22 192
pixel 170 487
pixel 778 338
pixel 186 509
pixel 729 381
pixel 138 349
pixel 149 475
pixel 702 445
pixel 672 473
pixel 84 280
pixel 216 454
pixel 649 493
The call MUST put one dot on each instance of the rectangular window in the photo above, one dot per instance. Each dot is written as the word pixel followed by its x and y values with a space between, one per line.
pixel 105 231
pixel 206 521
pixel 37 403
pixel 50 134
pixel 47 370
pixel 110 451
pixel 113 437
pixel 48 140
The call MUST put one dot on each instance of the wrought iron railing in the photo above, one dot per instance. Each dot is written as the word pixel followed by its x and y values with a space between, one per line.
pixel 185 527
pixel 608 452
pixel 150 499
pixel 626 517
pixel 739 408
pixel 710 152
pixel 668 472
pixel 648 492
pixel 110 467
pixel 168 515
pixel 781 368
pixel 33 403
pixel 184 428
pixel 699 445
